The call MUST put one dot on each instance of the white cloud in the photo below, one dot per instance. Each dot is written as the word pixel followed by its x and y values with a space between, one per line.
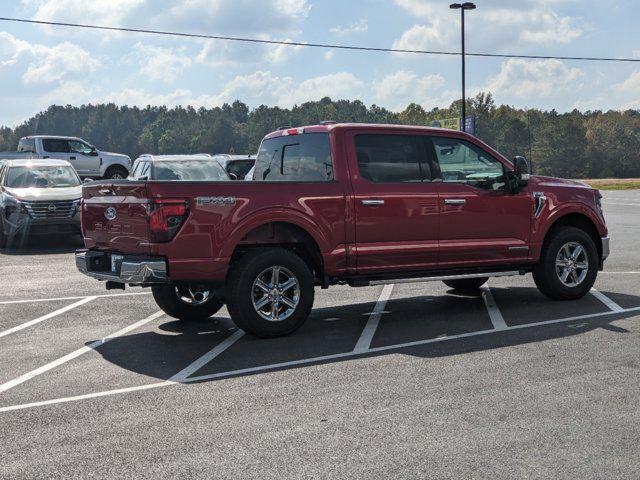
pixel 110 12
pixel 238 17
pixel 628 91
pixel 261 87
pixel 338 86
pixel 425 37
pixel 245 17
pixel 359 26
pixel 225 52
pixel 159 63
pixel 399 89
pixel 495 25
pixel 533 78
pixel 329 54
pixel 41 64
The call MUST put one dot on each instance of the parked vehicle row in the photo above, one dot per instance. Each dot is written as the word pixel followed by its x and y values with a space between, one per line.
pixel 342 203
pixel 71 154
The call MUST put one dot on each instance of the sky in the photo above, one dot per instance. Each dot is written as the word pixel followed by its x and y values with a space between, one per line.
pixel 41 66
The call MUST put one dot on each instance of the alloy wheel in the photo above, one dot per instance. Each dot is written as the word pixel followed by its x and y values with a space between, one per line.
pixel 572 264
pixel 275 294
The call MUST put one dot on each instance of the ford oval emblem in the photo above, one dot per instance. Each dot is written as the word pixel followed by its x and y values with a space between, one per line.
pixel 111 213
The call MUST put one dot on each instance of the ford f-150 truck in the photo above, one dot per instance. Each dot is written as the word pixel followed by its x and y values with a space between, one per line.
pixel 342 204
pixel 88 161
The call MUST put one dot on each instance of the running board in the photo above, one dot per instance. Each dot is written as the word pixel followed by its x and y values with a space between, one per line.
pixel 449 277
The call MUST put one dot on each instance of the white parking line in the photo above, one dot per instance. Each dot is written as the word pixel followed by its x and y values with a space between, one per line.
pixel 46 317
pixel 306 361
pixel 56 363
pixel 364 342
pixel 611 305
pixel 492 309
pixel 186 372
pixel 39 300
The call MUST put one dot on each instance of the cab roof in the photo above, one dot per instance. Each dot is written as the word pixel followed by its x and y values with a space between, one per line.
pixel 159 158
pixel 327 127
pixel 55 137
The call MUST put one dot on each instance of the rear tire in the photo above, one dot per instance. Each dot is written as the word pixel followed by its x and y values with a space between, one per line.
pixel 190 302
pixel 116 173
pixel 270 292
pixel 557 261
pixel 466 284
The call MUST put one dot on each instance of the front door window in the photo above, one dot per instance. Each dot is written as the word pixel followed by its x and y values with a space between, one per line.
pixel 461 161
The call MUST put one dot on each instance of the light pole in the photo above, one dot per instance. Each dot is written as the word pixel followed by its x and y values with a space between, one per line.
pixel 462 7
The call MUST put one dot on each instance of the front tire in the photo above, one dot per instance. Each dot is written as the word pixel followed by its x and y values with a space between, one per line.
pixel 466 284
pixel 568 265
pixel 187 302
pixel 270 292
pixel 116 173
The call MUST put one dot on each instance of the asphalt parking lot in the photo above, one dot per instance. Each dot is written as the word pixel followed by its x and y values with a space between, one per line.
pixel 408 381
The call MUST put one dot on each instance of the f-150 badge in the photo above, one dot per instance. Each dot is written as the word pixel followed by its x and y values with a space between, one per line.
pixel 217 201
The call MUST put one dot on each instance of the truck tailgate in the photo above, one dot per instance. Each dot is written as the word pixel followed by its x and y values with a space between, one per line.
pixel 114 216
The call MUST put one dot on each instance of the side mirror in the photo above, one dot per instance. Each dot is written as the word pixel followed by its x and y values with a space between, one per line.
pixel 87 180
pixel 522 171
pixel 94 152
pixel 233 176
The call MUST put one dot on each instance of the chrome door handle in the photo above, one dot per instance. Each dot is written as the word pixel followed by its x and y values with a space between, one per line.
pixel 372 203
pixel 454 201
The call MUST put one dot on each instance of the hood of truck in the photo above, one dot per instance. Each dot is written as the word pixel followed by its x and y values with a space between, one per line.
pixel 115 155
pixel 45 194
pixel 542 181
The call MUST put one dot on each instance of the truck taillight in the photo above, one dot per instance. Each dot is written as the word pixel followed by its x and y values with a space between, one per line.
pixel 165 218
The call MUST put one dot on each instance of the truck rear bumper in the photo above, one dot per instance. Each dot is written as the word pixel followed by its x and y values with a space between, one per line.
pixel 125 269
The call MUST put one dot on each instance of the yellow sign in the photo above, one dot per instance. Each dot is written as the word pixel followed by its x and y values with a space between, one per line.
pixel 449 123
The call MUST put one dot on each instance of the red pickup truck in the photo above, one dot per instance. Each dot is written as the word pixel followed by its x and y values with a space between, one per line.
pixel 342 204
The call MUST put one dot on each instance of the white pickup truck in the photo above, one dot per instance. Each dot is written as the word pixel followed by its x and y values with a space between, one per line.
pixel 88 161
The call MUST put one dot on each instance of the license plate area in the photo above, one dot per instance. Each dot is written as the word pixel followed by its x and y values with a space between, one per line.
pixel 116 263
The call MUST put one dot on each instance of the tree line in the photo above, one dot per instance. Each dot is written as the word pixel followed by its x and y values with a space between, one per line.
pixel 575 144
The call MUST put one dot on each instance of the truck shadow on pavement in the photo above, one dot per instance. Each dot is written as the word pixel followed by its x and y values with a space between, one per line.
pixel 44 245
pixel 336 330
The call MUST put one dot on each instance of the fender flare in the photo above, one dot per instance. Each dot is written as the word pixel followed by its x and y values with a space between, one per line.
pixel 276 215
pixel 569 209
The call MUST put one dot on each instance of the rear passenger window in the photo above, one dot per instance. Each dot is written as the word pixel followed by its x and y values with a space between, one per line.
pixel 392 158
pixel 55 145
pixel 295 158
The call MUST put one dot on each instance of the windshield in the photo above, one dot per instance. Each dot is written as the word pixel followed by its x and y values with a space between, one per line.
pixel 193 170
pixel 41 177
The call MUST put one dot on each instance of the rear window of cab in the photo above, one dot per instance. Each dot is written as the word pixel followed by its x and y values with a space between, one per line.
pixel 295 158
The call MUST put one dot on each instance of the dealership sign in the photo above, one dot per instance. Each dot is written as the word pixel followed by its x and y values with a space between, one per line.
pixel 454 124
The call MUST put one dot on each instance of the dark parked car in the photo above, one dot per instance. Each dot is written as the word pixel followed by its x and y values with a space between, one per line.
pixel 237 166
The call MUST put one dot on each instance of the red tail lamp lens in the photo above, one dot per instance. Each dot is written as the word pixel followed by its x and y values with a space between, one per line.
pixel 165 219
